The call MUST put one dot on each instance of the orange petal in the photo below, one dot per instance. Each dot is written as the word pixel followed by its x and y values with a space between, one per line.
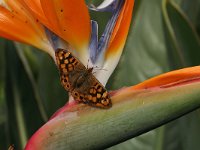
pixel 36 8
pixel 173 78
pixel 121 28
pixel 17 24
pixel 21 11
pixel 117 41
pixel 70 20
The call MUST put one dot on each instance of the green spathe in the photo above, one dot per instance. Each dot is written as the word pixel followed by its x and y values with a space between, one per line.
pixel 134 112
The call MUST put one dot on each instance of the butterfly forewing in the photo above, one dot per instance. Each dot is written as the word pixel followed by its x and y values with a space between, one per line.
pixel 80 82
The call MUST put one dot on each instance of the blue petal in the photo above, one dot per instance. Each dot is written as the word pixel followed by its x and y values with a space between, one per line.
pixel 95 50
pixel 94 41
pixel 53 38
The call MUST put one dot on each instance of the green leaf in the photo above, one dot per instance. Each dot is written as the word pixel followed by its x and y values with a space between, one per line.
pixel 191 9
pixel 145 53
pixel 185 34
pixel 148 52
pixel 53 94
pixel 3 111
pixel 31 78
pixel 21 105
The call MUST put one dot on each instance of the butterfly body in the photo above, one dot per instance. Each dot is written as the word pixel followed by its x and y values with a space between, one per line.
pixel 80 81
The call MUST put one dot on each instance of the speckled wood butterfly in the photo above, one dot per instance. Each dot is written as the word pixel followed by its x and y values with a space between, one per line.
pixel 80 82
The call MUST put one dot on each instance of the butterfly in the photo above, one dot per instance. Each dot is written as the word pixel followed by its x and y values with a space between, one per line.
pixel 80 81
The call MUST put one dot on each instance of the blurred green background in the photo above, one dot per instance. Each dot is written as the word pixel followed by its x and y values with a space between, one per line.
pixel 164 36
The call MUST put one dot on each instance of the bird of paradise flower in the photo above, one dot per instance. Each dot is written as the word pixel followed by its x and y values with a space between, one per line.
pixel 49 24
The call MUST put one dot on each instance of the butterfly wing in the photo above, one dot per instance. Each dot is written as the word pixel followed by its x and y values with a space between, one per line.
pixel 92 92
pixel 80 81
pixel 69 68
pixel 97 94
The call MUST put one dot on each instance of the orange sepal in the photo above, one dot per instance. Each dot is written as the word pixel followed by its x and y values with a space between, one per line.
pixel 70 20
pixel 14 28
pixel 121 28
pixel 36 9
pixel 20 10
pixel 173 78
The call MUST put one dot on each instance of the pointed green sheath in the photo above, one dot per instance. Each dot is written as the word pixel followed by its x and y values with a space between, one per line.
pixel 135 110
